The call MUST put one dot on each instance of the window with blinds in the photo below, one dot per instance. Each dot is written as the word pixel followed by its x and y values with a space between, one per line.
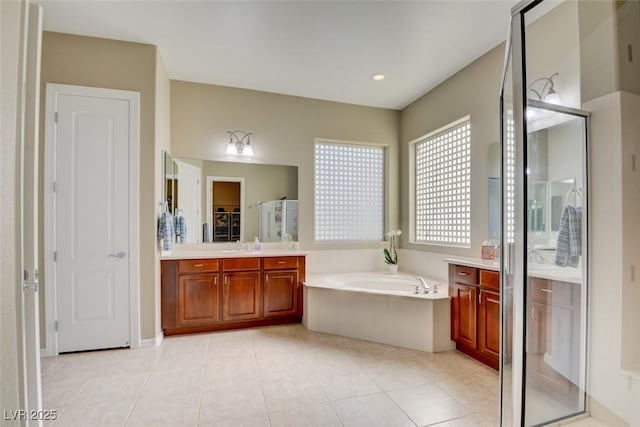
pixel 443 187
pixel 349 192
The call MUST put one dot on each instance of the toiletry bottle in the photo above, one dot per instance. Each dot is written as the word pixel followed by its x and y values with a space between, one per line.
pixel 256 244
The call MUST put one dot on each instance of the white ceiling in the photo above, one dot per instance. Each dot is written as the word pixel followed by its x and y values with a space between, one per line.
pixel 316 49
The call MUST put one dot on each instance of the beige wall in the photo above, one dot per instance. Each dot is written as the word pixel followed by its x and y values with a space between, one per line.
pixel 89 61
pixel 610 89
pixel 262 182
pixel 284 128
pixel 472 91
pixel 10 19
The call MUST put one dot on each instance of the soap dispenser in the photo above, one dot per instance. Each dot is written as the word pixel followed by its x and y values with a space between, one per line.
pixel 256 244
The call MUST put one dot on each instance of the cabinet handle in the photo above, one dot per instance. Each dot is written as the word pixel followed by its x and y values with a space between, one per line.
pixel 198 265
pixel 549 291
pixel 463 273
pixel 282 262
pixel 226 280
pixel 266 277
pixel 480 298
pixel 533 313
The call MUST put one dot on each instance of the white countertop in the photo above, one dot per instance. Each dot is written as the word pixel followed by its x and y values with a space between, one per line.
pixel 227 253
pixel 485 264
pixel 541 271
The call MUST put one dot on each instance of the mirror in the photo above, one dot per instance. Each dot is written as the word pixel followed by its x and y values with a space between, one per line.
pixel 557 173
pixel 228 201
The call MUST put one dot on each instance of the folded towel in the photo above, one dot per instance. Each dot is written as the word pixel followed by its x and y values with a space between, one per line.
pixel 569 246
pixel 181 229
pixel 165 230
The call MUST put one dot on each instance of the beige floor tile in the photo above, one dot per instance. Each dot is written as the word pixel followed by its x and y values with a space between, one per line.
pixel 47 362
pixel 292 391
pixel 427 404
pixel 102 414
pixel 173 411
pixel 470 421
pixel 259 420
pixel 110 388
pixel 342 385
pixel 231 401
pixel 374 410
pixel 391 376
pixel 301 377
pixel 308 416
pixel 59 396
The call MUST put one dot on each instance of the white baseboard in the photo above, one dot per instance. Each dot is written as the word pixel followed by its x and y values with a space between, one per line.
pixel 152 342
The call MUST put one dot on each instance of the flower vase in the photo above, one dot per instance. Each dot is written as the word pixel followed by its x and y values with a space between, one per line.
pixel 393 268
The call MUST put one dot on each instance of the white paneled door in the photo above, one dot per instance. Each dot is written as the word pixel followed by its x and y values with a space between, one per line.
pixel 189 201
pixel 93 135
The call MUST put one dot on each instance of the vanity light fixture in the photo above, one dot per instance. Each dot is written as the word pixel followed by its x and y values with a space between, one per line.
pixel 378 77
pixel 546 93
pixel 239 143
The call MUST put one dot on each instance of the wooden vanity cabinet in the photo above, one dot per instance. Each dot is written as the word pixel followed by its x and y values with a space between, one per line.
pixel 214 294
pixel 475 312
pixel 553 341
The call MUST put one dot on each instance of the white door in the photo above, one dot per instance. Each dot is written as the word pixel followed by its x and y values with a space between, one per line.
pixel 92 219
pixel 189 192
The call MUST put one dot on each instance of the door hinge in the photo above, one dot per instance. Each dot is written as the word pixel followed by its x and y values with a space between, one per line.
pixel 55 256
pixel 55 325
pixel 55 117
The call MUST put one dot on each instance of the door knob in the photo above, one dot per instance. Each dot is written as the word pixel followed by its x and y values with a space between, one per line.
pixel 117 255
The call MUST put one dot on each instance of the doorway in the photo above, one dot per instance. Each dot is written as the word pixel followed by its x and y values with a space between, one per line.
pixel 225 208
pixel 91 218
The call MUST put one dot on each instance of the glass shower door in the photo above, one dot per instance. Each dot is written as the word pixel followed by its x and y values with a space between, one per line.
pixel 544 261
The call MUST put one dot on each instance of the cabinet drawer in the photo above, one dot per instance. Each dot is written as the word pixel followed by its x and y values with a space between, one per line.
pixel 197 265
pixel 551 292
pixel 490 280
pixel 466 275
pixel 235 264
pixel 281 263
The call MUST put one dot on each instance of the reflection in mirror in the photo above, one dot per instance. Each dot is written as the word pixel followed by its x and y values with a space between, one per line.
pixel 227 202
pixel 554 171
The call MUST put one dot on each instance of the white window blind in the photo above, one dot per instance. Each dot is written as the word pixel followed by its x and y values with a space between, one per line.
pixel 443 187
pixel 349 192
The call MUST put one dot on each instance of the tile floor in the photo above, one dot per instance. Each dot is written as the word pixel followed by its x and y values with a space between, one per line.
pixel 275 376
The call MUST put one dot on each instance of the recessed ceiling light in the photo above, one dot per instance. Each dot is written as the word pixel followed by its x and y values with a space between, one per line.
pixel 378 76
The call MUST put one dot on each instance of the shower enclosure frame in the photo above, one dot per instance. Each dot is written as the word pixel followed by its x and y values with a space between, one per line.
pixel 514 256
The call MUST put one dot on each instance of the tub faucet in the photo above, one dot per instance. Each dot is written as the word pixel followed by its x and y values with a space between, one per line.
pixel 423 288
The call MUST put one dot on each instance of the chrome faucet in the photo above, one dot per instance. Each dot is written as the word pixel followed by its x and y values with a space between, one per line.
pixel 533 255
pixel 422 287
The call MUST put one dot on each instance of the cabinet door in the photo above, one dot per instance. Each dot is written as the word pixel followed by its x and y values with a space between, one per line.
pixel 198 299
pixel 281 293
pixel 463 314
pixel 489 324
pixel 241 296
